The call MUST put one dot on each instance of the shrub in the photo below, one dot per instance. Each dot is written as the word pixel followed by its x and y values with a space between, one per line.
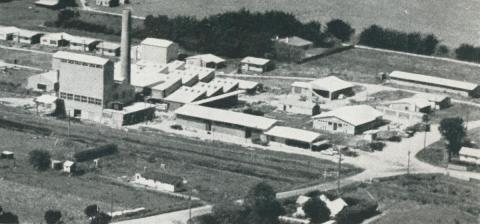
pixel 377 146
pixel 357 211
pixel 316 210
pixel 340 29
pixel 176 127
pixel 95 152
pixel 52 216
pixel 40 159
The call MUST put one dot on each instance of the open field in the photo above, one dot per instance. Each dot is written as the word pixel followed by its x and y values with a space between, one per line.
pixel 440 17
pixel 26 58
pixel 423 199
pixel 216 170
pixel 41 191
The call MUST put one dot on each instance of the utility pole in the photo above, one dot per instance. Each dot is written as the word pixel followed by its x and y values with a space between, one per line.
pixel 68 129
pixel 111 203
pixel 339 168
pixel 408 163
pixel 466 119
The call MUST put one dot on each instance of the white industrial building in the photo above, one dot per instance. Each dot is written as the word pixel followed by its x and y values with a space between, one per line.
pixel 158 50
pixel 293 136
pixel 44 82
pixel 348 120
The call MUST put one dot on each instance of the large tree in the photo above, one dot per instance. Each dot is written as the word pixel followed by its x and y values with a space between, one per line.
pixel 316 210
pixel 262 204
pixel 340 29
pixel 91 210
pixel 39 159
pixel 53 217
pixel 453 130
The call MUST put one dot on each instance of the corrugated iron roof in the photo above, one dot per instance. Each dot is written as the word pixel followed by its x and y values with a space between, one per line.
pixel 355 115
pixel 293 134
pixel 467 86
pixel 81 57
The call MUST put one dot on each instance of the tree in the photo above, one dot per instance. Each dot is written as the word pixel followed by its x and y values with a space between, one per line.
pixel 52 216
pixel 340 29
pixel 91 210
pixel 101 218
pixel 40 159
pixel 262 205
pixel 316 210
pixel 453 130
pixel 228 213
pixel 8 217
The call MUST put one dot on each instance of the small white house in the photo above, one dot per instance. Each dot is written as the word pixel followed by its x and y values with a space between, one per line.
pixel 108 49
pixel 55 39
pixel 160 181
pixel 27 36
pixel 68 166
pixel 46 103
pixel 469 155
pixel 253 64
pixel 83 43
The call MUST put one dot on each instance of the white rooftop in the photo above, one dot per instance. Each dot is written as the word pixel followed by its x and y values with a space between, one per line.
pixel 228 84
pixel 157 42
pixel 137 106
pixel 47 2
pixel 167 84
pixel 45 99
pixel 468 86
pixel 26 33
pixel 293 134
pixel 208 58
pixel 245 84
pixel 355 115
pixel 81 57
pixel 295 41
pixel 8 29
pixel 58 36
pixel 471 152
pixel 225 116
pixel 330 83
pixel 186 95
pixel 255 61
pixel 82 40
pixel 416 101
pixel 210 88
pixel 334 206
pixel 108 45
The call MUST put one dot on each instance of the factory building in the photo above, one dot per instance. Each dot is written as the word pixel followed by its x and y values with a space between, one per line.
pixel 183 96
pixel 158 50
pixel 222 122
pixel 348 120
pixel 166 88
pixel 27 36
pixel 106 48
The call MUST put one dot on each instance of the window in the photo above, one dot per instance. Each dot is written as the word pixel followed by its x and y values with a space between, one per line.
pixel 98 101
pixel 69 96
pixel 76 98
pixel 42 87
pixel 91 100
pixel 63 95
pixel 329 123
pixel 84 99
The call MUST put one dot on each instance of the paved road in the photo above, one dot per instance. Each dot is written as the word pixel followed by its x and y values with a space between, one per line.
pixel 170 218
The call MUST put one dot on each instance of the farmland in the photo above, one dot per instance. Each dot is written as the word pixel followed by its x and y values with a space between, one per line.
pixel 433 16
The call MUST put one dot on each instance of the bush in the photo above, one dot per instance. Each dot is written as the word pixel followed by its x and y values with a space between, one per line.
pixel 316 210
pixel 176 127
pixel 40 159
pixel 357 211
pixel 52 216
pixel 94 153
pixel 377 146
pixel 340 29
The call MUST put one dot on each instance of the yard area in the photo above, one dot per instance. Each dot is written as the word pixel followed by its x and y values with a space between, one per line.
pixel 29 193
pixel 13 81
pixel 423 199
pixel 42 61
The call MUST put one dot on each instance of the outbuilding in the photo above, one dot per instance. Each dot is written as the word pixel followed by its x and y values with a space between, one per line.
pixel 46 103
pixel 296 42
pixel 53 4
pixel 44 82
pixel 55 39
pixel 206 60
pixel 469 155
pixel 222 122
pixel 349 119
pixel 7 155
pixel 160 181
pixel 108 49
pixel 332 88
pixel 293 136
pixel 68 166
pixel 27 36
pixel 253 64
pixel 7 32
pixel 83 43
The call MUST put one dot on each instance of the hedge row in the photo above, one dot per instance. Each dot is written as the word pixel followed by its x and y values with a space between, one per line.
pixel 94 153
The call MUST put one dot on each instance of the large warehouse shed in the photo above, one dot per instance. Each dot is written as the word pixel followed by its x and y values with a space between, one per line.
pixel 436 83
pixel 293 136
pixel 349 119
pixel 222 122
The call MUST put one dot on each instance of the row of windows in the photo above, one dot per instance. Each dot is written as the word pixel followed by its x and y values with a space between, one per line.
pixel 80 98
pixel 80 63
pixel 332 123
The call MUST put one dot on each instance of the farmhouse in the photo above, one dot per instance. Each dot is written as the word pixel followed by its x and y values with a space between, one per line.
pixel 160 181
pixel 332 88
pixel 106 48
pixel 253 64
pixel 83 43
pixel 27 36
pixel 55 39
pixel 6 32
pixel 222 122
pixel 436 83
pixel 296 42
pixel 293 136
pixel 206 60
pixel 469 155
pixel 158 50
pixel 349 120
pixel 44 82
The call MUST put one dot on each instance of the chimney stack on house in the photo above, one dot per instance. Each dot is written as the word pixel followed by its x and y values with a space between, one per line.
pixel 125 46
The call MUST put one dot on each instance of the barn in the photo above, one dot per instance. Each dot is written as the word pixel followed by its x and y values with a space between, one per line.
pixel 348 120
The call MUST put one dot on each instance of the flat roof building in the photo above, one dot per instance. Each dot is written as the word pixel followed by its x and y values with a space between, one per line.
pixel 222 122
pixel 106 48
pixel 158 50
pixel 55 39
pixel 206 60
pixel 293 136
pixel 83 43
pixel 27 36
pixel 349 119
pixel 6 32
pixel 331 87
pixel 254 64
pixel 166 88
pixel 437 83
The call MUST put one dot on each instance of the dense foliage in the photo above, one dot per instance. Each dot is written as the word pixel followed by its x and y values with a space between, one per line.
pixel 316 210
pixel 453 130
pixel 376 36
pixel 340 29
pixel 94 153
pixel 68 18
pixel 8 217
pixel 357 211
pixel 467 52
pixel 53 217
pixel 39 159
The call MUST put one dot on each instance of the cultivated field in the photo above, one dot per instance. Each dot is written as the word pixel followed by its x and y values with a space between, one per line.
pixel 454 22
pixel 423 199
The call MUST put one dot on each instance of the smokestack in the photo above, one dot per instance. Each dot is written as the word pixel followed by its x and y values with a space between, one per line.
pixel 125 46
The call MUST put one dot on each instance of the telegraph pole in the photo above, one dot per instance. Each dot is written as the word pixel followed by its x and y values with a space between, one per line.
pixel 339 168
pixel 68 129
pixel 408 163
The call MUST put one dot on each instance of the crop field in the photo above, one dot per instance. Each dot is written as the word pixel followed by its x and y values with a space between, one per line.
pixel 423 199
pixel 440 17
pixel 218 171
pixel 41 191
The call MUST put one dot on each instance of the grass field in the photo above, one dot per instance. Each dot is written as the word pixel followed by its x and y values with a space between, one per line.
pixel 423 199
pixel 454 22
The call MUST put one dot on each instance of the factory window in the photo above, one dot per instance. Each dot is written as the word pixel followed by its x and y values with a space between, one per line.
pixel 98 101
pixel 63 95
pixel 76 98
pixel 92 65
pixel 69 96
pixel 64 60
pixel 70 61
pixel 84 99
pixel 98 66
pixel 85 64
pixel 91 100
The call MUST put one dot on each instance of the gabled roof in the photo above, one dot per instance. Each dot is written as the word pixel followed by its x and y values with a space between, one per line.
pixel 162 177
pixel 81 57
pixel 467 86
pixel 26 33
pixel 210 88
pixel 83 40
pixel 255 61
pixel 186 95
pixel 465 151
pixel 330 83
pixel 157 42
pixel 108 45
pixel 208 58
pixel 245 84
pixel 51 76
pixel 295 41
pixel 58 36
pixel 225 116
pixel 293 134
pixel 355 115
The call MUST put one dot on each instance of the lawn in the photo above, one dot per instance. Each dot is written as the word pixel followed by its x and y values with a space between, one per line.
pixel 41 191
pixel 438 17
pixel 218 171
pixel 422 199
